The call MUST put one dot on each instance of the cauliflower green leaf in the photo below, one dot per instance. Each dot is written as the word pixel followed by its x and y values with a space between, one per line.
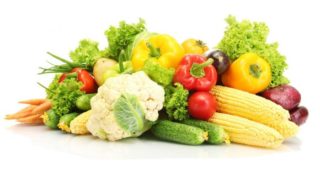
pixel 129 114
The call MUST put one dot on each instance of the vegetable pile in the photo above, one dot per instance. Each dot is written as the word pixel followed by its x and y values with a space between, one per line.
pixel 179 92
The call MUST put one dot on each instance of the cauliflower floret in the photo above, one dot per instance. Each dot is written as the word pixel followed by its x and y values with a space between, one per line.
pixel 103 120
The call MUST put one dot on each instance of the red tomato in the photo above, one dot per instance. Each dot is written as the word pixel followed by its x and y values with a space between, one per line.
pixel 202 105
pixel 89 84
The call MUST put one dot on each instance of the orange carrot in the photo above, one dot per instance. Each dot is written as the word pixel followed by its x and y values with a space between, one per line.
pixel 28 108
pixel 42 107
pixel 32 113
pixel 33 101
pixel 30 119
pixel 22 113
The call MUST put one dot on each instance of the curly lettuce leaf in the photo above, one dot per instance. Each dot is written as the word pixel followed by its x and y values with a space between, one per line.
pixel 119 38
pixel 86 53
pixel 63 95
pixel 246 36
pixel 176 102
pixel 157 73
pixel 53 86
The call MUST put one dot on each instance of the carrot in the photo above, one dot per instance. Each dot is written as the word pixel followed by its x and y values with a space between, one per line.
pixel 28 108
pixel 22 113
pixel 32 113
pixel 33 101
pixel 31 119
pixel 42 107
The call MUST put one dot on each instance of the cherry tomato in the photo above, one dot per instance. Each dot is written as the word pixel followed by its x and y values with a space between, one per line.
pixel 202 105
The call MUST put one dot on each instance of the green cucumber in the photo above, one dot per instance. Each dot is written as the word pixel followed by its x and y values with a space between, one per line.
pixel 216 134
pixel 177 132
pixel 83 102
pixel 65 120
pixel 51 119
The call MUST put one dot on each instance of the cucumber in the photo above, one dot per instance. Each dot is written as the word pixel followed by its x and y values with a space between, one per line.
pixel 51 119
pixel 177 132
pixel 65 120
pixel 83 102
pixel 216 134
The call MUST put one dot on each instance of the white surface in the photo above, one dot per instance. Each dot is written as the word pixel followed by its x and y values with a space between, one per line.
pixel 31 28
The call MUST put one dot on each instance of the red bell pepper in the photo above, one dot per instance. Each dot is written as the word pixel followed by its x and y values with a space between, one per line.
pixel 89 84
pixel 196 73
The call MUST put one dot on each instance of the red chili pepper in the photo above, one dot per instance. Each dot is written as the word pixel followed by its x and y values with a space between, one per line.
pixel 196 73
pixel 89 84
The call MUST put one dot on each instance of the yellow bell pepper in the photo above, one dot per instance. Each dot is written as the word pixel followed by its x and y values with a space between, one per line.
pixel 249 72
pixel 164 48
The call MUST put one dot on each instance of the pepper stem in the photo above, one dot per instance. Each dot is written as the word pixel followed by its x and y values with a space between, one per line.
pixel 255 70
pixel 154 52
pixel 197 70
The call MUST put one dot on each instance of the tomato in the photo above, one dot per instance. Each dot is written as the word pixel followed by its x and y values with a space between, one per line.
pixel 193 46
pixel 202 105
pixel 89 84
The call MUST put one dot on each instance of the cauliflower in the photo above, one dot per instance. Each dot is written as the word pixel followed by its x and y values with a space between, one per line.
pixel 125 106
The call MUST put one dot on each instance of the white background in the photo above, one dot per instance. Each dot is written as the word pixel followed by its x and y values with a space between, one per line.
pixel 28 29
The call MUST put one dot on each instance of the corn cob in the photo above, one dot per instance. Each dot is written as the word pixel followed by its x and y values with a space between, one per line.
pixel 255 108
pixel 244 131
pixel 65 120
pixel 78 125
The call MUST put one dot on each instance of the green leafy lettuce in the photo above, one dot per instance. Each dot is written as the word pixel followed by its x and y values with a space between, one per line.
pixel 119 38
pixel 86 53
pixel 175 103
pixel 246 36
pixel 63 95
pixel 157 73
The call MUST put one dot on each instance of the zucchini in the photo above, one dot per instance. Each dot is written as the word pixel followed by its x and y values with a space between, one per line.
pixel 51 119
pixel 83 102
pixel 216 134
pixel 177 132
pixel 65 120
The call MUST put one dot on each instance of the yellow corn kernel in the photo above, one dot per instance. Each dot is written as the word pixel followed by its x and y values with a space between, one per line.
pixel 78 125
pixel 250 106
pixel 244 131
pixel 64 127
